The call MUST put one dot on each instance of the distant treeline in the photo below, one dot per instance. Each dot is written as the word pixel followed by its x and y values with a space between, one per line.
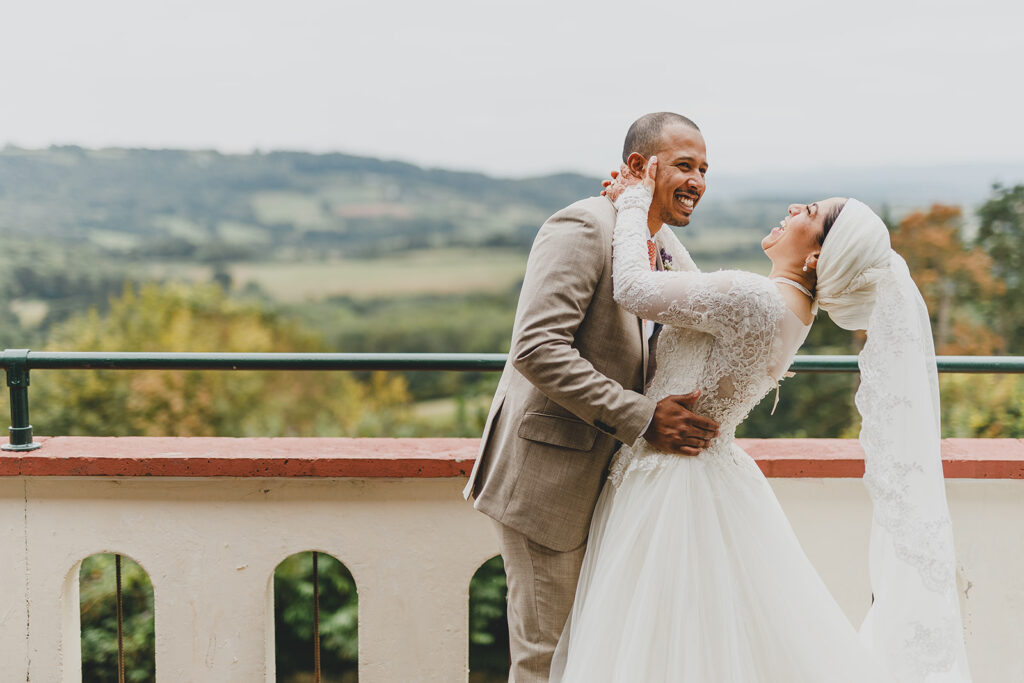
pixel 209 206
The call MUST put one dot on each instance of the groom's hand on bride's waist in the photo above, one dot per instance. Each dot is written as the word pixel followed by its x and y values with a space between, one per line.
pixel 675 428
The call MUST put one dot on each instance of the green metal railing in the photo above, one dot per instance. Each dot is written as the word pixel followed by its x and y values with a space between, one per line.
pixel 17 364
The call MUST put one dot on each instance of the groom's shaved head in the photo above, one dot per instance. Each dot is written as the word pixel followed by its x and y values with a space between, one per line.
pixel 644 135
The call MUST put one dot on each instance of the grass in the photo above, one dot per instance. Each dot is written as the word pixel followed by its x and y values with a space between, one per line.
pixel 720 239
pixel 447 408
pixel 712 262
pixel 234 232
pixel 301 209
pixel 181 227
pixel 434 271
pixel 113 240
pixel 30 312
pixel 421 272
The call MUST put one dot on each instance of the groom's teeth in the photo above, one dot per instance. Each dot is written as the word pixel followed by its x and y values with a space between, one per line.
pixel 687 202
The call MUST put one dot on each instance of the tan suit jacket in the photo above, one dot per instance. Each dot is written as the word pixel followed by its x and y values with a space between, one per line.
pixel 572 389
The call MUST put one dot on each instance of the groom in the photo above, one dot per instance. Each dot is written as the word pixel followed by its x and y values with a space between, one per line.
pixel 572 391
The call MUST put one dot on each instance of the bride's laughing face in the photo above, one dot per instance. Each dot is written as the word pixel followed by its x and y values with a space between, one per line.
pixel 801 233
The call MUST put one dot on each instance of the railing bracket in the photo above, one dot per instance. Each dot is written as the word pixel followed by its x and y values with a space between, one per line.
pixel 16 366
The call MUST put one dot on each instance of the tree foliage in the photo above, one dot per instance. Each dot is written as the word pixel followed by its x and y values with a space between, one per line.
pixel 982 406
pixel 462 323
pixel 488 624
pixel 973 294
pixel 1001 236
pixel 98 610
pixel 953 278
pixel 293 618
pixel 197 403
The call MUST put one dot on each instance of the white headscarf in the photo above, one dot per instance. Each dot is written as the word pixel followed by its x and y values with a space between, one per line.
pixel 914 624
pixel 853 259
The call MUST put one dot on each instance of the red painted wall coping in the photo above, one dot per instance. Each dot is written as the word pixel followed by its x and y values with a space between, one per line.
pixel 76 456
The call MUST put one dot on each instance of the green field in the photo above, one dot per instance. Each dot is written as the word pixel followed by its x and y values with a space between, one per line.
pixel 713 240
pixel 446 408
pixel 711 262
pixel 434 271
pixel 421 272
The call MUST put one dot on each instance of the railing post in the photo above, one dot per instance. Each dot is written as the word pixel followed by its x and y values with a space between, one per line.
pixel 16 365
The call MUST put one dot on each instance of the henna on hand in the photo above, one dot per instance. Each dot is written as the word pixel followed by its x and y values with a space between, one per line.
pixel 620 182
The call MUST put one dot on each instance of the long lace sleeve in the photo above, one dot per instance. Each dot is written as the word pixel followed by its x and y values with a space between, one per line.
pixel 724 303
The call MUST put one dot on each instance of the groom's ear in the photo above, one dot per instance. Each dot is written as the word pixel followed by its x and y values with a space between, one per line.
pixel 637 164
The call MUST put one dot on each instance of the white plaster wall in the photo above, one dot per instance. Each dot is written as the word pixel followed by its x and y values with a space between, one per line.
pixel 211 545
pixel 988 524
pixel 13 602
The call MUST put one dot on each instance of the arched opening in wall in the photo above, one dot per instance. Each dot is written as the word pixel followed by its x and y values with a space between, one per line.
pixel 117 624
pixel 488 625
pixel 316 620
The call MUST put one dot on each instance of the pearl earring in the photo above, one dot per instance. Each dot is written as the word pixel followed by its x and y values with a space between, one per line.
pixel 805 267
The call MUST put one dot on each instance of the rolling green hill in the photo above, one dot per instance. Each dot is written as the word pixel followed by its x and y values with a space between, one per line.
pixel 207 207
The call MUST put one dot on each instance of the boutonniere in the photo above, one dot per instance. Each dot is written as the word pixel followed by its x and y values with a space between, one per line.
pixel 666 260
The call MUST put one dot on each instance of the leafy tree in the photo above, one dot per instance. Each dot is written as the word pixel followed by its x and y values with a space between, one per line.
pixel 293 618
pixel 195 403
pixel 992 406
pixel 953 278
pixel 983 406
pixel 98 590
pixel 1001 236
pixel 459 323
pixel 488 624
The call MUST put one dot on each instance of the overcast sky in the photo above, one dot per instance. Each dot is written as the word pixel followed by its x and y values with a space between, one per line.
pixel 517 88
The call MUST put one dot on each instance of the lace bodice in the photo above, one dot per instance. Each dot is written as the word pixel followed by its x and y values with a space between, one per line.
pixel 728 334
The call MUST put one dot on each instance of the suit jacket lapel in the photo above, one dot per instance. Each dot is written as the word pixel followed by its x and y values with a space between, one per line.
pixel 669 242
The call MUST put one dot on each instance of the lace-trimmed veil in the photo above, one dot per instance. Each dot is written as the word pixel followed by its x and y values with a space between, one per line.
pixel 914 624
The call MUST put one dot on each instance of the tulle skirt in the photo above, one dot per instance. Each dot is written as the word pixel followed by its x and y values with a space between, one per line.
pixel 694 574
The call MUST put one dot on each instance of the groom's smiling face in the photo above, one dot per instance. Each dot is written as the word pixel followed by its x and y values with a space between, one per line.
pixel 679 184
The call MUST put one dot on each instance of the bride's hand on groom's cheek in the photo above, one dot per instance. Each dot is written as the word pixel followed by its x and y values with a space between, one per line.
pixel 650 173
pixel 621 179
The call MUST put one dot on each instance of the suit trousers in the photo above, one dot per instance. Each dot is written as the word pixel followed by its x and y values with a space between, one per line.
pixel 541 589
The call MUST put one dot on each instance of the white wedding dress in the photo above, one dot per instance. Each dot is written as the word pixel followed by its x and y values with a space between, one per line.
pixel 692 573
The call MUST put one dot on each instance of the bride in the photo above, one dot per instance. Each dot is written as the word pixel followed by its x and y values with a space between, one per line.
pixel 692 571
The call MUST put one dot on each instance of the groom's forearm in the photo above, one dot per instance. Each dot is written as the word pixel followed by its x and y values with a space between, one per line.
pixel 564 268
